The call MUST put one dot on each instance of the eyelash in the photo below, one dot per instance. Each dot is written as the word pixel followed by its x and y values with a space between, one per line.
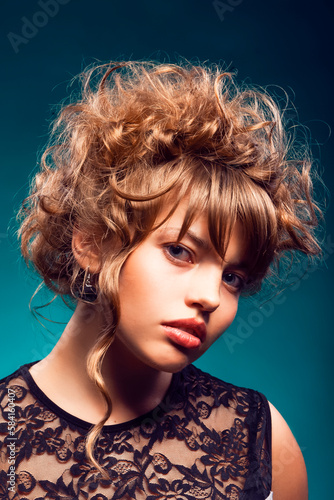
pixel 241 281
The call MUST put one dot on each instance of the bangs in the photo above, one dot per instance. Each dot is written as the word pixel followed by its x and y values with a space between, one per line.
pixel 228 197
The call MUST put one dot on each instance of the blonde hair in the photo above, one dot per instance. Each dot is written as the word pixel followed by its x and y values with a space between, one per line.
pixel 143 135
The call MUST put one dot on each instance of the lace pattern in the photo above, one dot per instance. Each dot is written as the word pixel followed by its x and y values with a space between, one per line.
pixel 206 440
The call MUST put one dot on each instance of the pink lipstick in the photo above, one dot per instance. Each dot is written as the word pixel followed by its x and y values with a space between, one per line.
pixel 189 333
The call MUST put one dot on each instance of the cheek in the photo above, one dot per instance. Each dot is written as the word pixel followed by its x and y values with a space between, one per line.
pixel 226 314
pixel 140 280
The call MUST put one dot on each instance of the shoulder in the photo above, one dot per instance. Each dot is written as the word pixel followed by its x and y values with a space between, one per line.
pixel 14 392
pixel 242 402
pixel 289 471
pixel 16 376
pixel 202 381
pixel 241 423
pixel 9 382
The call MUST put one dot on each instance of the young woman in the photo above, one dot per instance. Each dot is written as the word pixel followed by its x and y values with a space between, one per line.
pixel 166 192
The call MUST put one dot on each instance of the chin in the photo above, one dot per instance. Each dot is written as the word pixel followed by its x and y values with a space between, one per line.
pixel 176 367
pixel 174 364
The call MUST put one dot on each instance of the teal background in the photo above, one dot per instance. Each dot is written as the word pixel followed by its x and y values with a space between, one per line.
pixel 284 349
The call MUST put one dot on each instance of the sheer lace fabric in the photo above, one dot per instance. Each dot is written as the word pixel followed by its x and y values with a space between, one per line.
pixel 206 440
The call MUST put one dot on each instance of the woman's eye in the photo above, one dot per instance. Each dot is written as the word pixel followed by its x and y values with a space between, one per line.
pixel 234 280
pixel 178 252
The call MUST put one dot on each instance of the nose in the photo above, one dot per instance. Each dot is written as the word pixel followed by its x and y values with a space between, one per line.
pixel 204 289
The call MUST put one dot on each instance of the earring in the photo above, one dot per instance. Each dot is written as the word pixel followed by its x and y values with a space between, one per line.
pixel 89 293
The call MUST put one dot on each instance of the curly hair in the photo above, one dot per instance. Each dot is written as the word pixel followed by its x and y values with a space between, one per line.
pixel 142 136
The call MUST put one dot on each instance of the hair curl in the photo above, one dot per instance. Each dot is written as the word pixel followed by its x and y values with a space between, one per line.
pixel 141 135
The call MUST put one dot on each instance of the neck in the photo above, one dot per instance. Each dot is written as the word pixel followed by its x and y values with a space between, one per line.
pixel 131 383
pixel 134 387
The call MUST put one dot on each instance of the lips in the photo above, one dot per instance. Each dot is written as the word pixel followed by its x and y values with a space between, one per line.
pixel 189 333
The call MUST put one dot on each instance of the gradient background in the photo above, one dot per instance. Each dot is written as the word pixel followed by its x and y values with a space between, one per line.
pixel 284 349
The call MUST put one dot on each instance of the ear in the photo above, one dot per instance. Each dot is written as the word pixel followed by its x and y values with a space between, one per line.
pixel 86 251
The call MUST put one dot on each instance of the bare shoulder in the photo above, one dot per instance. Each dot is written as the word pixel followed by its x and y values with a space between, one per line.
pixel 289 471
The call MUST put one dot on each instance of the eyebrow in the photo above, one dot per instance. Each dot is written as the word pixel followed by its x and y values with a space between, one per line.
pixel 200 242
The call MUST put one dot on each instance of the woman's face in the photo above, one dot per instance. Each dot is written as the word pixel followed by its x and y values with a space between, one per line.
pixel 178 298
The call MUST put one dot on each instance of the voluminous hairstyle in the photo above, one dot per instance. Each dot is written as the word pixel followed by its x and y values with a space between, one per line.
pixel 143 136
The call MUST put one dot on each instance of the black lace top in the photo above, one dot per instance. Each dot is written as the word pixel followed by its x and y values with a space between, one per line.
pixel 206 440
